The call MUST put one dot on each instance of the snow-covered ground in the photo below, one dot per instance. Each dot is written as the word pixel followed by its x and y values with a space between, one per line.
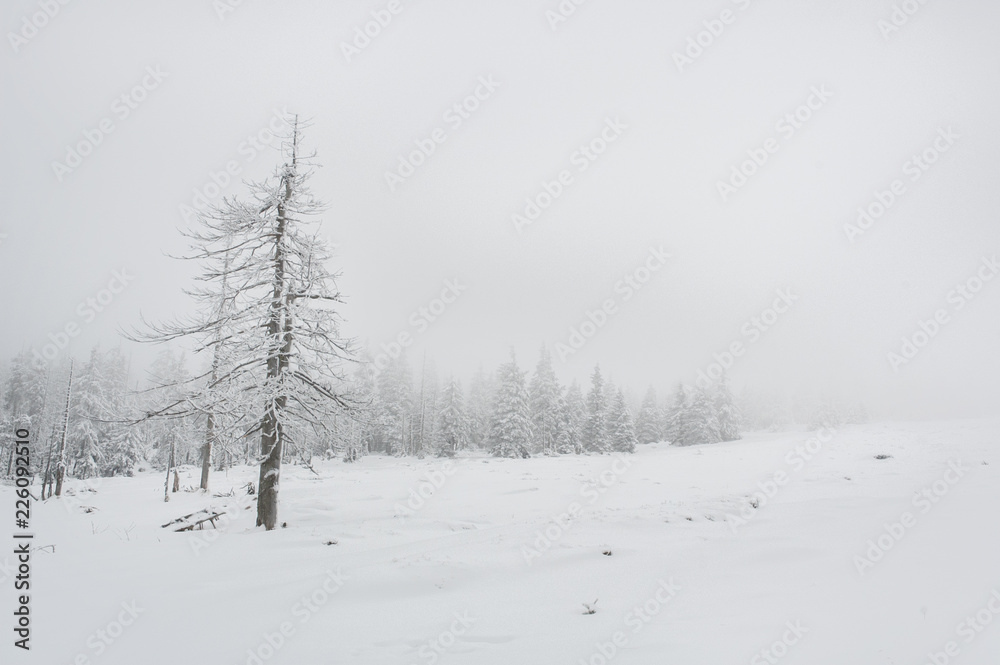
pixel 494 566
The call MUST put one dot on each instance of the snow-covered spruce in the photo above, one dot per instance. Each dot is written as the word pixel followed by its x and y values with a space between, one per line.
pixel 510 428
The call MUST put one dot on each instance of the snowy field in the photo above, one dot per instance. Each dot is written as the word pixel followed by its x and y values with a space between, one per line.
pixel 495 565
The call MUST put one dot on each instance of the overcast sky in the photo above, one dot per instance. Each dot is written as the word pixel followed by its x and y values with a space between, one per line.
pixel 878 98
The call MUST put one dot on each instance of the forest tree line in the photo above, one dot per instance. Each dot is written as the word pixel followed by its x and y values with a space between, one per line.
pixel 273 379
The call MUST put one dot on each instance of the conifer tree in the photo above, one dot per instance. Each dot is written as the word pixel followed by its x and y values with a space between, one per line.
pixel 544 395
pixel 25 397
pixel 85 437
pixel 648 423
pixel 510 427
pixel 726 412
pixel 572 416
pixel 395 392
pixel 621 431
pixel 479 407
pixel 367 398
pixel 452 426
pixel 675 427
pixel 595 432
pixel 423 417
pixel 700 423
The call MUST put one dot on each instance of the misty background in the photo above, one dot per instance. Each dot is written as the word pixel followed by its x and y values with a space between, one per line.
pixel 655 186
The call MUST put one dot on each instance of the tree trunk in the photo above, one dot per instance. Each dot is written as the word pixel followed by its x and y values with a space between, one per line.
pixel 61 452
pixel 170 465
pixel 423 377
pixel 279 328
pixel 48 464
pixel 270 470
pixel 206 451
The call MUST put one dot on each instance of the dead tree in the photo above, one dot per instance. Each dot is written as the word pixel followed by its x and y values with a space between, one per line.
pixel 170 467
pixel 210 434
pixel 276 335
pixel 61 450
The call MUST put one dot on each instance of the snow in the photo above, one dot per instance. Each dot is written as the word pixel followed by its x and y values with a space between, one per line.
pixel 398 581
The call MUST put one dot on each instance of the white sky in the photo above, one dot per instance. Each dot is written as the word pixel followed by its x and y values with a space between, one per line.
pixel 655 185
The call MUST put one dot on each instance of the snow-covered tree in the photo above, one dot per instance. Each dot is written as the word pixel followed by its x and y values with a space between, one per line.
pixel 726 412
pixel 24 406
pixel 395 391
pixel 649 422
pixel 424 411
pixel 368 431
pixel 285 355
pixel 452 425
pixel 544 393
pixel 25 389
pixel 698 422
pixel 97 439
pixel 85 438
pixel 621 431
pixel 676 425
pixel 170 437
pixel 595 431
pixel 479 407
pixel 572 416
pixel 510 428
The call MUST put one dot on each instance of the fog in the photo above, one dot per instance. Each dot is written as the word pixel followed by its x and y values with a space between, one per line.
pixel 620 142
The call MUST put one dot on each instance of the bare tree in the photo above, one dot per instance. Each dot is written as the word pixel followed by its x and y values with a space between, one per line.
pixel 277 350
pixel 210 434
pixel 60 470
